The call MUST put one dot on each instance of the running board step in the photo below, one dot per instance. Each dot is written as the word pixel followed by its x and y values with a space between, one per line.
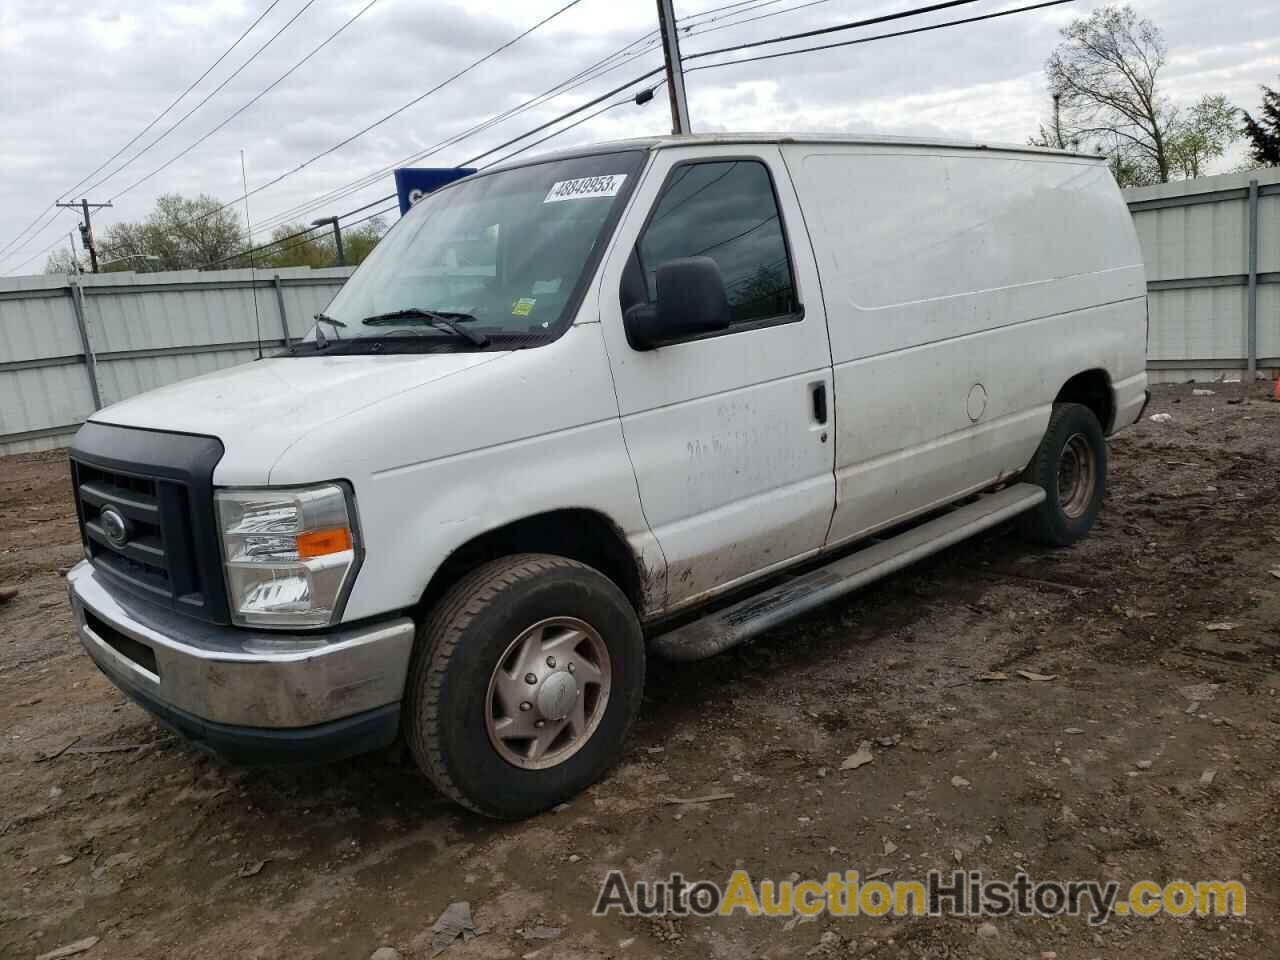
pixel 747 618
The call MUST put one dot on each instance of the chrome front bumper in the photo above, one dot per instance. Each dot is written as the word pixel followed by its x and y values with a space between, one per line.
pixel 229 677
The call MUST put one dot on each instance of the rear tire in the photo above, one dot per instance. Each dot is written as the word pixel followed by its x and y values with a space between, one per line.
pixel 525 679
pixel 1071 467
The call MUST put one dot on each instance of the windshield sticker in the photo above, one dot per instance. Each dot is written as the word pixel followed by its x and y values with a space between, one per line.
pixel 585 188
pixel 523 307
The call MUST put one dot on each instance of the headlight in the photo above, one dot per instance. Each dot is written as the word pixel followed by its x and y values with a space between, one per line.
pixel 290 554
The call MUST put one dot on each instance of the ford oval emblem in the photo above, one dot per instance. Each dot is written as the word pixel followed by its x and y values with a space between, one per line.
pixel 114 526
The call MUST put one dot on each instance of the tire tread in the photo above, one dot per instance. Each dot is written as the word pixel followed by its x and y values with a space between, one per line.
pixel 438 641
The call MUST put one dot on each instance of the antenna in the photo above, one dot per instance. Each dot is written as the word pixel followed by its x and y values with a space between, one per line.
pixel 253 270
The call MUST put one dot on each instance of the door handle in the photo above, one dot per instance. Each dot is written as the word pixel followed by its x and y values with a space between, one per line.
pixel 819 402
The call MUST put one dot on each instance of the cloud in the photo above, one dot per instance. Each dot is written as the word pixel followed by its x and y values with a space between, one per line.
pixel 78 80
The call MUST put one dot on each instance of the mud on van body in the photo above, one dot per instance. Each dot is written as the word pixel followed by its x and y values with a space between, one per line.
pixel 647 396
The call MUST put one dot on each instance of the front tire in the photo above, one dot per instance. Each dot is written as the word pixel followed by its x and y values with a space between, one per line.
pixel 525 679
pixel 1071 466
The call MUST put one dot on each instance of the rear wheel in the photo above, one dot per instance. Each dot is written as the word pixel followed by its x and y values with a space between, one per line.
pixel 525 679
pixel 1071 467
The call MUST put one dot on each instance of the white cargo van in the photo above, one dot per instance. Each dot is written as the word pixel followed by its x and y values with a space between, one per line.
pixel 651 396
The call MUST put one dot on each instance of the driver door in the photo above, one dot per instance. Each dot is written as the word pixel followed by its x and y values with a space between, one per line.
pixel 729 433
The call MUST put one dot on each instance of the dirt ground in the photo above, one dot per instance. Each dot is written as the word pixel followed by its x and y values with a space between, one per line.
pixel 161 851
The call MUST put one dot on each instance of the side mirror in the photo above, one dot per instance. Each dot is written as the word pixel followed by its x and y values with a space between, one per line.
pixel 691 301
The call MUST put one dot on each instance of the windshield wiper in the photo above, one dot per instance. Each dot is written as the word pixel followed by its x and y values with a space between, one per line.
pixel 431 318
pixel 321 340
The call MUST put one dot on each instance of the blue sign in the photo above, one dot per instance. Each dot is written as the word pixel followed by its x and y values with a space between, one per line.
pixel 414 183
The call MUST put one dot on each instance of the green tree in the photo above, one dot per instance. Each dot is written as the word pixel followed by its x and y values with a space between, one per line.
pixel 359 242
pixel 1264 132
pixel 313 250
pixel 181 233
pixel 1201 134
pixel 317 248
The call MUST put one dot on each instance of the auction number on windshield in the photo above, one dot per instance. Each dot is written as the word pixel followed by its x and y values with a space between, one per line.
pixel 586 187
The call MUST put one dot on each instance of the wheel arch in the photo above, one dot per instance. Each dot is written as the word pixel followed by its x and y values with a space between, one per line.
pixel 1092 388
pixel 577 533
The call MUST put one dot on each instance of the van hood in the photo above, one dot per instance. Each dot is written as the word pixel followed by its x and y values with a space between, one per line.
pixel 259 409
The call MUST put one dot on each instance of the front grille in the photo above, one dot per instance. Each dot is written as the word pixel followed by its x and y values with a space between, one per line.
pixel 161 484
pixel 156 558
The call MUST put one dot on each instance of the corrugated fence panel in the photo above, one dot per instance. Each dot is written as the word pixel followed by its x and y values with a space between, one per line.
pixel 1269 233
pixel 1269 323
pixel 148 330
pixel 1195 241
pixel 1205 240
pixel 1203 324
pixel 36 323
pixel 145 330
pixel 35 399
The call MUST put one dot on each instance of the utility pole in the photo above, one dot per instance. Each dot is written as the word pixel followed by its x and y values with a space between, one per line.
pixel 675 68
pixel 337 236
pixel 86 228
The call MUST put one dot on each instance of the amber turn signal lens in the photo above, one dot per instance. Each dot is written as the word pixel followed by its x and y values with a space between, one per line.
pixel 321 543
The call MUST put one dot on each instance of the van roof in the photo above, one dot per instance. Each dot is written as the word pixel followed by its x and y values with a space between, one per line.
pixel 708 139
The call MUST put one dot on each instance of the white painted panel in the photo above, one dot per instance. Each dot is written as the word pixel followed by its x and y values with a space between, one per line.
pixel 916 246
pixel 734 473
pixel 905 438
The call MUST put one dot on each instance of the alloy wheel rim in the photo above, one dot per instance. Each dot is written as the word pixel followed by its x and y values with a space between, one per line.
pixel 548 693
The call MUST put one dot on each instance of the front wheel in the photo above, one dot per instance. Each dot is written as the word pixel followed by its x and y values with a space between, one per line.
pixel 525 679
pixel 1071 466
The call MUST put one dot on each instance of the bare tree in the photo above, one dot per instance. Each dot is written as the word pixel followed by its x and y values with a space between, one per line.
pixel 1054 134
pixel 1105 77
pixel 1106 70
pixel 63 261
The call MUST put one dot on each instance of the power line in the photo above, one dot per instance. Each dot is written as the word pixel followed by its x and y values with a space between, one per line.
pixel 137 136
pixel 577 123
pixel 17 244
pixel 882 36
pixel 688 23
pixel 57 240
pixel 820 31
pixel 586 75
pixel 8 249
pixel 480 156
pixel 396 112
pixel 694 31
pixel 212 93
pixel 249 103
pixel 803 50
pixel 395 206
pixel 401 109
pixel 728 6
pixel 163 113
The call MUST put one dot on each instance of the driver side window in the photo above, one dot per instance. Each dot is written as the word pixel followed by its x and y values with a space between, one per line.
pixel 726 210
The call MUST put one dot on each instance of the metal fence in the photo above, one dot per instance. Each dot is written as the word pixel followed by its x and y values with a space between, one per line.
pixel 71 345
pixel 1212 249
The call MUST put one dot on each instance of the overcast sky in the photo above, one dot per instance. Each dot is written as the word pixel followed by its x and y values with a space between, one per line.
pixel 79 79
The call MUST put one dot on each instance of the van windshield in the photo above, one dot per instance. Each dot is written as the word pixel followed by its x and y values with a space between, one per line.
pixel 503 256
